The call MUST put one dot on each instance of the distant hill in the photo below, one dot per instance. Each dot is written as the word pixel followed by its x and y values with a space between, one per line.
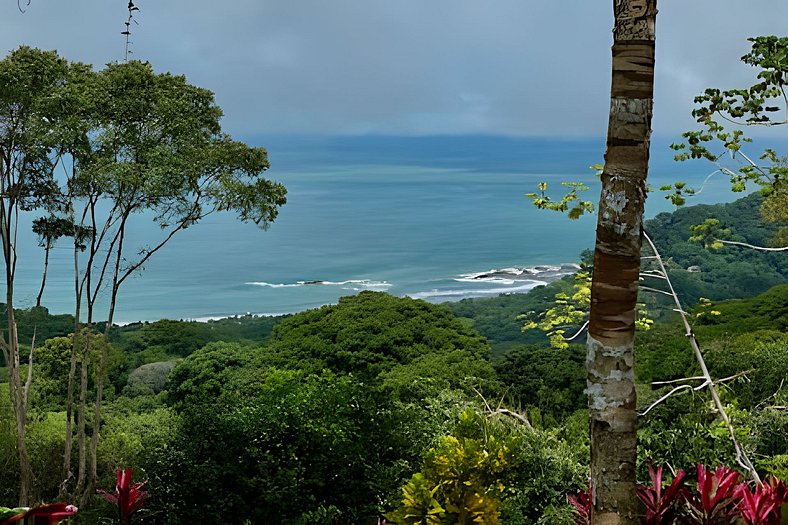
pixel 732 272
pixel 695 271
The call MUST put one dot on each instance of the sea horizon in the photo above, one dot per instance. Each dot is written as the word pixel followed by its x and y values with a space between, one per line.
pixel 423 217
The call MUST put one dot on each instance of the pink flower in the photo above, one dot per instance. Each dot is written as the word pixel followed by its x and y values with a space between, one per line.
pixel 127 497
pixel 762 506
pixel 44 514
pixel 661 503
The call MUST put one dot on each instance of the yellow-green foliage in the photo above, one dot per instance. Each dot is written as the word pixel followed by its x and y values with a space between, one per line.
pixel 460 482
pixel 491 470
pixel 571 311
pixel 777 466
pixel 567 312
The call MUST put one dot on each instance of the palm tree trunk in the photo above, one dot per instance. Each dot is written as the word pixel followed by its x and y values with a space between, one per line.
pixel 611 331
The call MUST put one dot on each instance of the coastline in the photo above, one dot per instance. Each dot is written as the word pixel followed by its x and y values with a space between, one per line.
pixel 475 285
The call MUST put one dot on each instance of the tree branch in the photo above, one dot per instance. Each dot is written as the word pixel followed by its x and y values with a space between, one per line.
pixel 29 380
pixel 741 456
pixel 751 246
pixel 580 331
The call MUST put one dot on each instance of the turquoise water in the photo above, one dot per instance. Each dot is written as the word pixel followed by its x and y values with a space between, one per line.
pixel 431 218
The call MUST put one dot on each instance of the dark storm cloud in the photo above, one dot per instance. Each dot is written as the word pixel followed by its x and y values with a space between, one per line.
pixel 512 67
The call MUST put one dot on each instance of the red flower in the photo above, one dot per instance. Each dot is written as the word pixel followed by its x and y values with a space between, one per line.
pixel 127 497
pixel 717 496
pixel 44 514
pixel 660 506
pixel 762 506
pixel 582 505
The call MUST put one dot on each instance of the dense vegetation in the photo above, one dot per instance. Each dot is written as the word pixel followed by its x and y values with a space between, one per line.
pixel 695 271
pixel 383 406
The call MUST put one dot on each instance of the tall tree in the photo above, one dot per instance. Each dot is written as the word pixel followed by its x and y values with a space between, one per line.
pixel 156 152
pixel 32 114
pixel 614 289
pixel 724 116
pixel 49 229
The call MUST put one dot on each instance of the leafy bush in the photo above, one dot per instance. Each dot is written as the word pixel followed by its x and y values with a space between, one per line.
pixel 285 444
pixel 152 375
pixel 491 471
pixel 368 334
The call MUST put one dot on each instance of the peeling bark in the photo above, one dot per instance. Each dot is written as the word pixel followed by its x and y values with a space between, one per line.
pixel 611 330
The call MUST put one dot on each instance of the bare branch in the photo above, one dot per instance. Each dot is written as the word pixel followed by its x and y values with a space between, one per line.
pixel 753 164
pixel 580 331
pixel 659 384
pixel 706 180
pixel 666 396
pixel 746 245
pixel 29 380
pixel 182 225
pixel 503 411
pixel 762 403
pixel 514 415
pixel 654 290
pixel 741 456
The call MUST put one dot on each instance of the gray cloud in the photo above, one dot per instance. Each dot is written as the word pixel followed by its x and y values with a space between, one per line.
pixel 511 67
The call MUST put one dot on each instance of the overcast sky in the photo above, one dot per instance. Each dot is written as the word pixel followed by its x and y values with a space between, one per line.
pixel 408 67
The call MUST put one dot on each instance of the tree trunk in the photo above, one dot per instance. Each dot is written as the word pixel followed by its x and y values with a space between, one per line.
pixel 18 404
pixel 83 389
pixel 93 479
pixel 44 275
pixel 72 372
pixel 611 330
pixel 11 351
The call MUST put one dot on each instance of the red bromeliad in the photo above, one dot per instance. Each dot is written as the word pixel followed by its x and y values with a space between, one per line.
pixel 762 505
pixel 719 499
pixel 715 500
pixel 43 514
pixel 582 506
pixel 127 497
pixel 661 505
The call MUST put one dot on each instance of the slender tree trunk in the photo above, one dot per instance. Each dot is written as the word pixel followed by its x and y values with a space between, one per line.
pixel 11 349
pixel 18 404
pixel 72 372
pixel 44 275
pixel 610 361
pixel 102 361
pixel 84 337
pixel 85 284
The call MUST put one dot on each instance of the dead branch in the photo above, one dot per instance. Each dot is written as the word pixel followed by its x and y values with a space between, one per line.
pixel 753 247
pixel 503 411
pixel 679 388
pixel 763 403
pixel 741 456
pixel 660 384
pixel 514 415
pixel 29 380
pixel 580 331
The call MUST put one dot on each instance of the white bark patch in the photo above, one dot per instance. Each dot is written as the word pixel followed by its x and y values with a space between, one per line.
pixel 596 398
pixel 614 375
pixel 607 351
pixel 616 201
pixel 612 210
pixel 611 375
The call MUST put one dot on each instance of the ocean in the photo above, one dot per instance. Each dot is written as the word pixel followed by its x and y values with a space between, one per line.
pixel 435 218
